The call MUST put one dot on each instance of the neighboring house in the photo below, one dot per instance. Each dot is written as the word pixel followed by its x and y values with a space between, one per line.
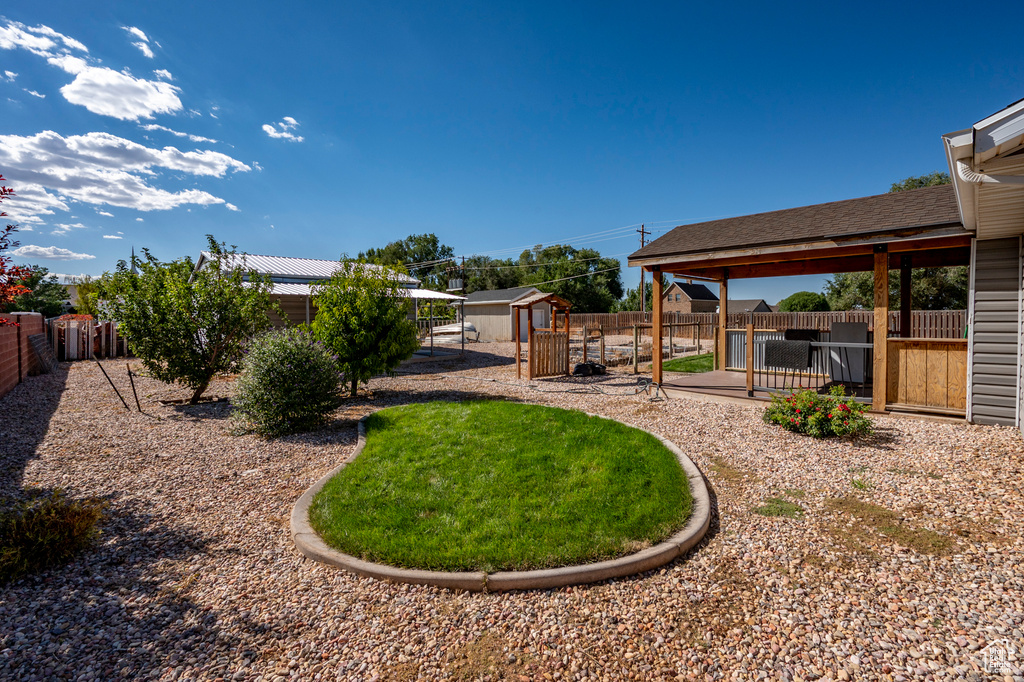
pixel 292 278
pixel 683 297
pixel 491 313
pixel 753 305
pixel 986 163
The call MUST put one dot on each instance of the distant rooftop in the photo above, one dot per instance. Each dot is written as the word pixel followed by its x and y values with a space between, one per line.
pixel 285 268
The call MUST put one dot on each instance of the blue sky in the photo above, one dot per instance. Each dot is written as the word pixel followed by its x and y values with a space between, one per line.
pixel 328 128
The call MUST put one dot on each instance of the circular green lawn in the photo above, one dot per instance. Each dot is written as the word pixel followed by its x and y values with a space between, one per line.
pixel 496 486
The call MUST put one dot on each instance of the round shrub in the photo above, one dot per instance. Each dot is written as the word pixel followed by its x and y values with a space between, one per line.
pixel 821 416
pixel 290 382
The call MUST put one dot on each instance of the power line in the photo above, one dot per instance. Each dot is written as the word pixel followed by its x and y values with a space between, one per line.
pixel 541 265
pixel 562 279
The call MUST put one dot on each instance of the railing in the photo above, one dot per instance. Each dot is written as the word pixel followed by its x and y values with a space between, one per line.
pixel 928 375
pixel 930 324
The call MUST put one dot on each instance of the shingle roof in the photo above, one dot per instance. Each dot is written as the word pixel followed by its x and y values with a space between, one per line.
pixel 498 295
pixel 926 207
pixel 740 305
pixel 696 292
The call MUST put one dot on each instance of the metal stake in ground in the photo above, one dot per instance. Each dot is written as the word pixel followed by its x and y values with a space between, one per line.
pixel 131 374
pixel 112 385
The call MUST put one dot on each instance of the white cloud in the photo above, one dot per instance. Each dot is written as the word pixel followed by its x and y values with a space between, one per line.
pixel 9 76
pixel 105 213
pixel 39 40
pixel 119 232
pixel 145 49
pixel 191 137
pixel 143 42
pixel 231 207
pixel 48 170
pixel 117 94
pixel 163 74
pixel 64 228
pixel 34 93
pixel 139 220
pixel 112 236
pixel 283 129
pixel 99 89
pixel 49 253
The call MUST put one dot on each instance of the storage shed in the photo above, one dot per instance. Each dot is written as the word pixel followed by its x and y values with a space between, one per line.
pixel 491 313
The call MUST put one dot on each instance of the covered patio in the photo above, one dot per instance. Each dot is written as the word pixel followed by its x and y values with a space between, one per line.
pixel 880 361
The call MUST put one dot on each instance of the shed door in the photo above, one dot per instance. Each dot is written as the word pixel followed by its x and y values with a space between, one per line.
pixel 541 318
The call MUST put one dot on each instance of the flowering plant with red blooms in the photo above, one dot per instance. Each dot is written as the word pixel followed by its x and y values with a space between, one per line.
pixel 11 276
pixel 820 416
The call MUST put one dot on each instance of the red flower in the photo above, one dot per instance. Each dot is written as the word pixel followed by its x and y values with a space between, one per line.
pixel 798 410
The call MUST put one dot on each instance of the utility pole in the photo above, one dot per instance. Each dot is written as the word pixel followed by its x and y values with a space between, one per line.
pixel 643 294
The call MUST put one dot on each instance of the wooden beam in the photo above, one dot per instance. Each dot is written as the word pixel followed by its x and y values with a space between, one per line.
pixel 905 267
pixel 515 332
pixel 880 382
pixel 656 311
pixel 855 263
pixel 750 361
pixel 568 369
pixel 529 343
pixel 723 308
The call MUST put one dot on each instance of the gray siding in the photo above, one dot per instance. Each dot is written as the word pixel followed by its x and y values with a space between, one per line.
pixel 996 331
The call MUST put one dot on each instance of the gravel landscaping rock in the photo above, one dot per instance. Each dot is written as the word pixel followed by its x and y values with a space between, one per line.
pixel 195 576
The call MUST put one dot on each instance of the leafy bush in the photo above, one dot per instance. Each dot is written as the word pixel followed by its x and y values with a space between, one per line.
pixel 821 416
pixel 45 531
pixel 802 302
pixel 289 382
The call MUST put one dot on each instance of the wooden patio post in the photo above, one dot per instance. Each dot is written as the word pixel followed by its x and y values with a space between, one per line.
pixel 529 343
pixel 750 360
pixel 880 381
pixel 568 368
pixel 905 322
pixel 519 361
pixel 636 350
pixel 723 322
pixel 656 341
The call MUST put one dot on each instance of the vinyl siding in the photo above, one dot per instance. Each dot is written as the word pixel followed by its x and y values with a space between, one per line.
pixel 996 330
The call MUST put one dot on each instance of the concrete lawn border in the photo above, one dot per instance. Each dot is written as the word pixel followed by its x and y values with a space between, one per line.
pixel 310 545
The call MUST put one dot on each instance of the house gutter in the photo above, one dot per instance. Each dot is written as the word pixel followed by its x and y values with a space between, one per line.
pixel 968 174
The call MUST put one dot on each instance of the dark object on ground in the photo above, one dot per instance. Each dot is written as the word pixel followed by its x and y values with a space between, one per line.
pixel 45 531
pixel 186 401
pixel 585 369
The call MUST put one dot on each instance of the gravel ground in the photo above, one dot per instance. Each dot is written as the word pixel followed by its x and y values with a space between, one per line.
pixel 195 576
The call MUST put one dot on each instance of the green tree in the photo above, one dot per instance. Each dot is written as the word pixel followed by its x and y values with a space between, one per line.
pixel 87 296
pixel 188 325
pixel 930 289
pixel 483 273
pixel 631 301
pixel 803 302
pixel 45 295
pixel 581 276
pixel 422 255
pixel 918 181
pixel 362 315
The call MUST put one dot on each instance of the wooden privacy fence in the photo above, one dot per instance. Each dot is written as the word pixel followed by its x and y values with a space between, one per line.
pixel 85 339
pixel 926 324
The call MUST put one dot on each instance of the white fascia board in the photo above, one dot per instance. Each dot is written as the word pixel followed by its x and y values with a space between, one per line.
pixel 960 146
pixel 1000 132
